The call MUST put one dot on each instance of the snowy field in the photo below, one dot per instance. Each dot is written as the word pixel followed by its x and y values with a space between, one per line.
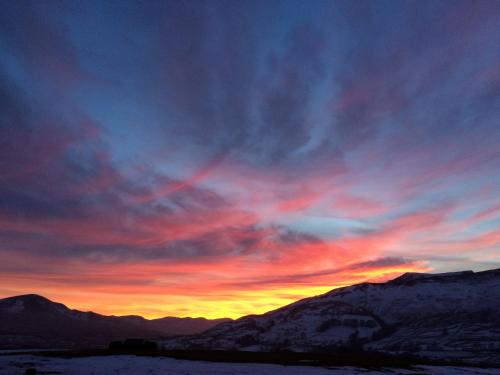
pixel 132 365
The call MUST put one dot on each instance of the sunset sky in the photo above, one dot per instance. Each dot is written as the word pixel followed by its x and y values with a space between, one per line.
pixel 221 158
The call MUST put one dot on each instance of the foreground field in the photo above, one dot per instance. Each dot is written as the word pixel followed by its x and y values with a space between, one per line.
pixel 134 365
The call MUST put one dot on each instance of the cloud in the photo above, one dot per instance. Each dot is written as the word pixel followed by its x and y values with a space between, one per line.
pixel 183 149
pixel 388 265
pixel 40 48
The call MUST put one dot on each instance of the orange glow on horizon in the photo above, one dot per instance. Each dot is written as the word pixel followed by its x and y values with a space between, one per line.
pixel 207 303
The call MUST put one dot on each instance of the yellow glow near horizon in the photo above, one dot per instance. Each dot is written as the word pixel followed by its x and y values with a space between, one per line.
pixel 245 303
pixel 211 303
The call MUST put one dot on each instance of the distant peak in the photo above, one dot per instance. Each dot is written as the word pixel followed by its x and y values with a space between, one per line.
pixel 31 302
pixel 409 276
pixel 28 298
pixel 31 297
pixel 413 276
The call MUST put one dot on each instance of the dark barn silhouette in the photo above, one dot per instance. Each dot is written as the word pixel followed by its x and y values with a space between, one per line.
pixel 133 344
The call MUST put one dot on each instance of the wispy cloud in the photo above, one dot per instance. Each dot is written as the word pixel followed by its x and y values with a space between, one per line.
pixel 245 153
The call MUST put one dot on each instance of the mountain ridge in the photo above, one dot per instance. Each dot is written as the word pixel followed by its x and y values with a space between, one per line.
pixel 31 320
pixel 436 315
pixel 453 314
pixel 38 297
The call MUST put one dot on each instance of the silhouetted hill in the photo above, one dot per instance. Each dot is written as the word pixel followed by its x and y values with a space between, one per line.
pixel 35 321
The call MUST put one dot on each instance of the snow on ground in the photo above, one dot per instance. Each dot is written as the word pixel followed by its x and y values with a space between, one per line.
pixel 132 365
pixel 14 351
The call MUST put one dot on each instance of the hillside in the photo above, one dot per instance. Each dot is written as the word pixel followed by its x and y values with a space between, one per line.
pixel 436 315
pixel 32 321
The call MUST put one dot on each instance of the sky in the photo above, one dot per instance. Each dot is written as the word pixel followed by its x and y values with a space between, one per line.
pixel 221 158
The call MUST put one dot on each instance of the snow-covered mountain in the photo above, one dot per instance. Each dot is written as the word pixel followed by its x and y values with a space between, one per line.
pixel 34 321
pixel 303 327
pixel 451 315
pixel 415 295
pixel 435 314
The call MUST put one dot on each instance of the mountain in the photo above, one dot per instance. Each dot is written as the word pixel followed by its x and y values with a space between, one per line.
pixel 184 326
pixel 305 327
pixel 32 321
pixel 435 315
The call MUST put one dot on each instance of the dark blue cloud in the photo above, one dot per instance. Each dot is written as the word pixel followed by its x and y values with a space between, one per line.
pixel 134 131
